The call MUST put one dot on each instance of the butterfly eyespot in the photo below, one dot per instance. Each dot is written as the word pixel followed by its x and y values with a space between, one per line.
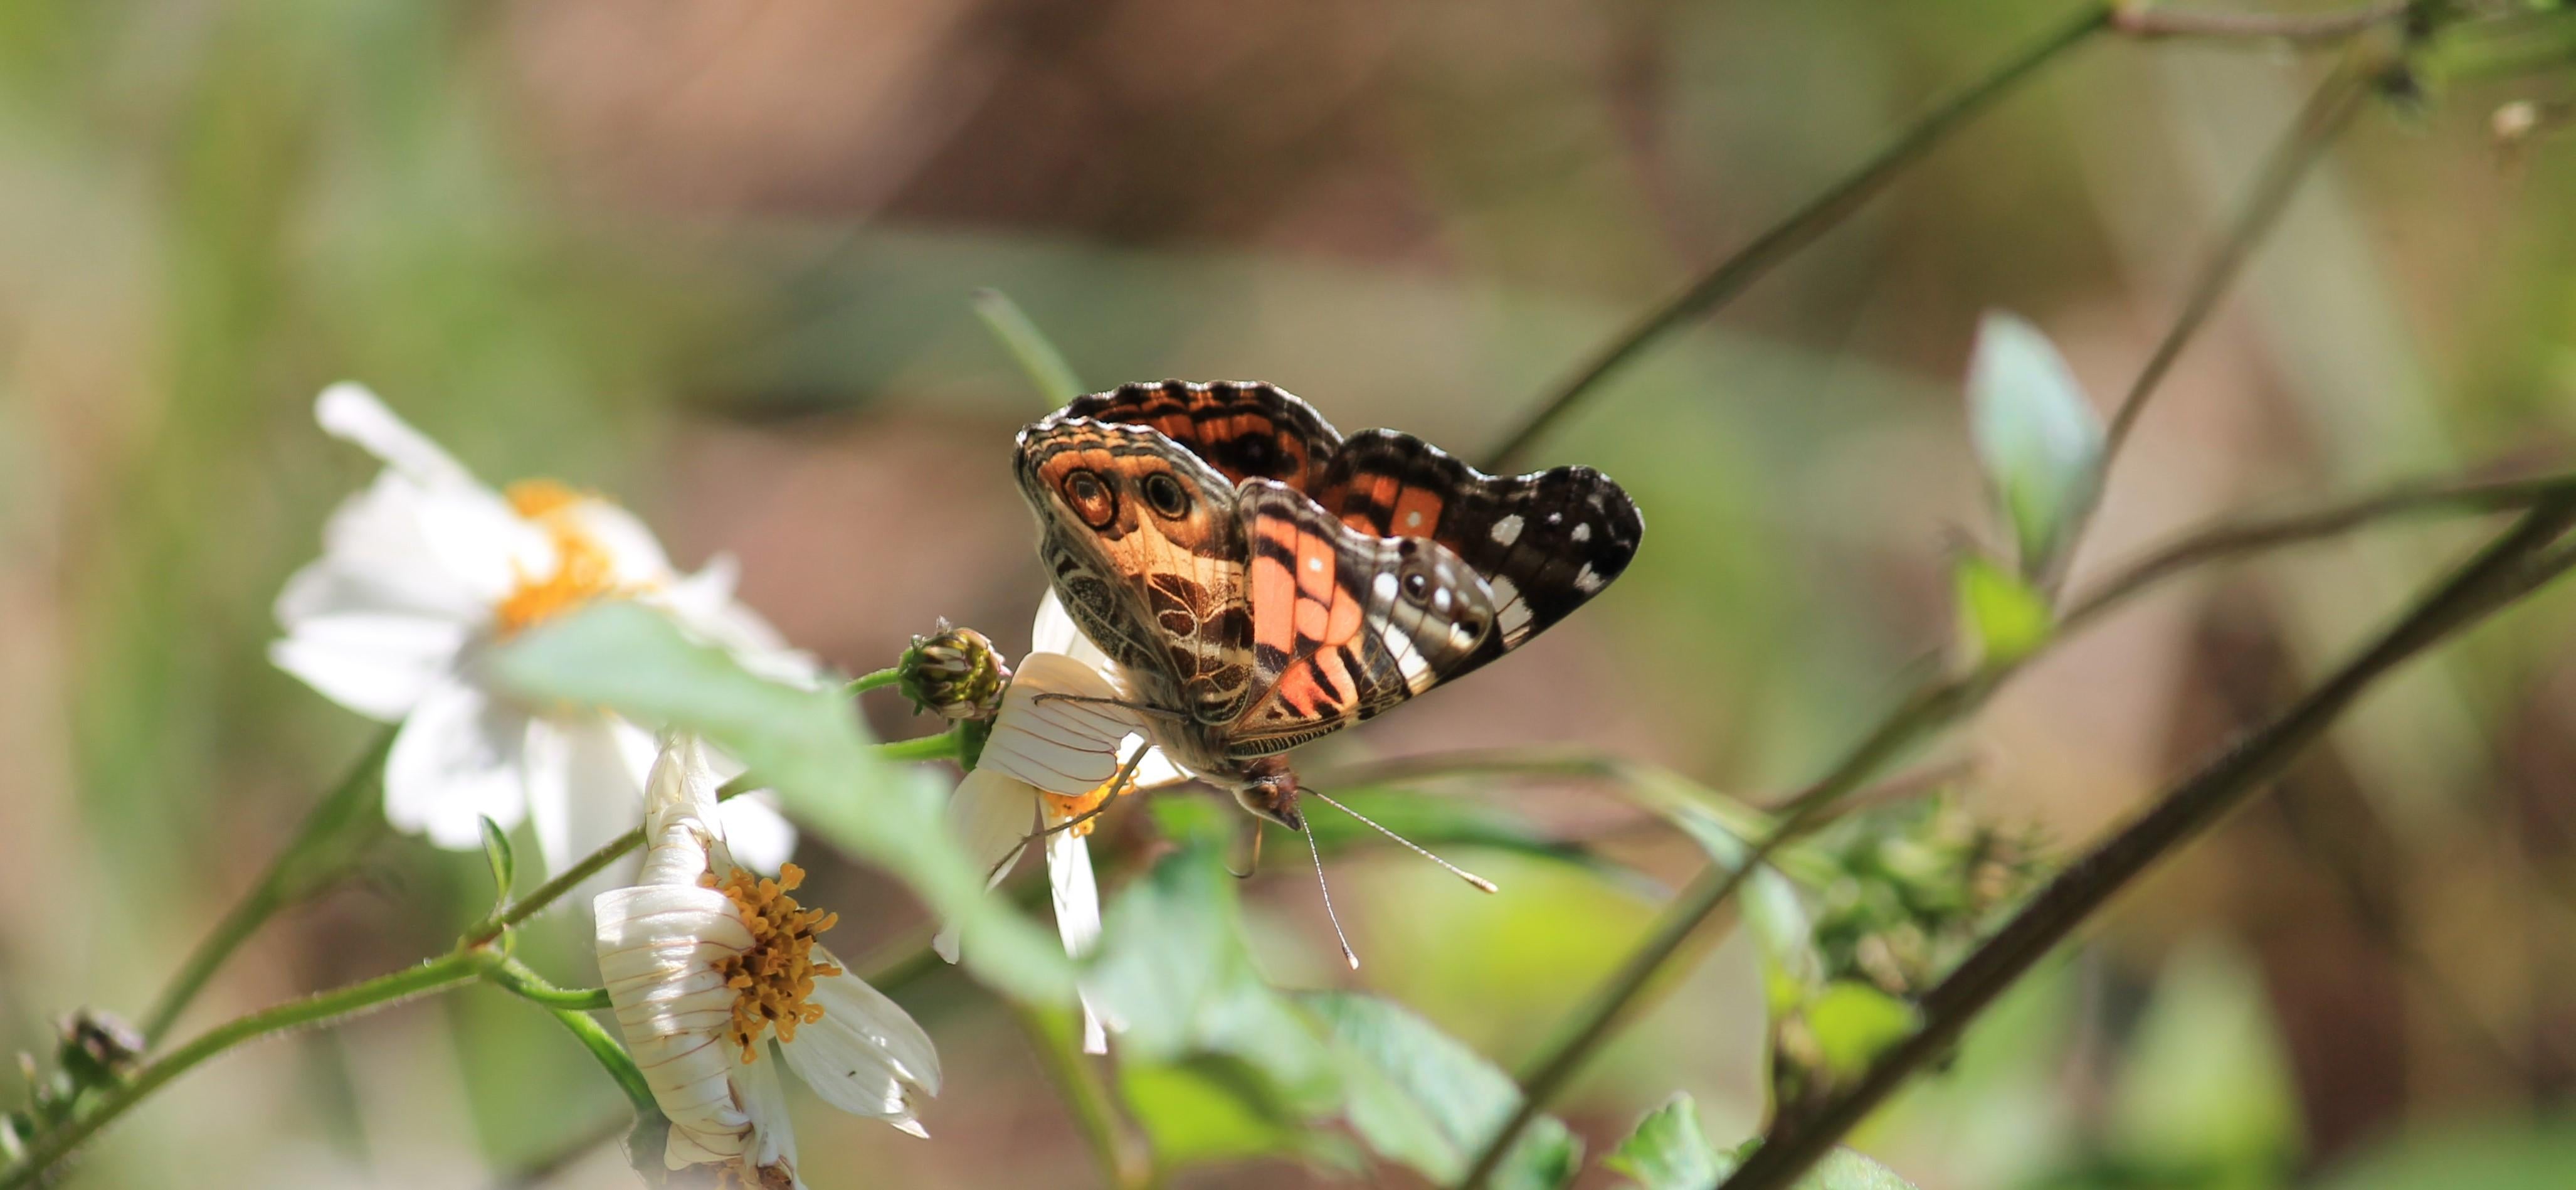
pixel 1090 498
pixel 1417 586
pixel 1166 495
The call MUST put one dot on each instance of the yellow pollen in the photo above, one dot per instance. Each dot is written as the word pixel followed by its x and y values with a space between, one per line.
pixel 772 979
pixel 584 570
pixel 1069 807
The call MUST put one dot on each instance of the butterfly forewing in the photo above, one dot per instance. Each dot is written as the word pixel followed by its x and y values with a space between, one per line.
pixel 1244 429
pixel 1544 543
pixel 1345 624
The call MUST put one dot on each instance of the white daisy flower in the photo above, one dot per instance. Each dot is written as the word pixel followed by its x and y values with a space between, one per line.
pixel 1047 764
pixel 710 967
pixel 424 571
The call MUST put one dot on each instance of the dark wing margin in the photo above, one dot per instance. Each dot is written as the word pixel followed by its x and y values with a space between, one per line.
pixel 1243 428
pixel 1545 543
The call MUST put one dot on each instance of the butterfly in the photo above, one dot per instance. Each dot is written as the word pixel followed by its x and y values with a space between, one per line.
pixel 1262 581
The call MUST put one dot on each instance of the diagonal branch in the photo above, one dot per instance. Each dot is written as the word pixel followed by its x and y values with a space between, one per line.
pixel 2513 566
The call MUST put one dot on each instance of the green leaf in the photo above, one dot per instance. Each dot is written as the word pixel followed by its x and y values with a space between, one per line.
pixel 1854 1022
pixel 1028 345
pixel 806 745
pixel 1419 1097
pixel 2002 618
pixel 1175 970
pixel 505 865
pixel 1841 1169
pixel 2035 433
pixel 1668 1151
pixel 2490 1155
pixel 1210 1108
pixel 2206 1078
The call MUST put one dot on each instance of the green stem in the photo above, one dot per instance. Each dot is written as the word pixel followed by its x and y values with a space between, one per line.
pixel 930 747
pixel 612 1057
pixel 2156 21
pixel 1818 215
pixel 2511 567
pixel 1122 1160
pixel 521 980
pixel 873 681
pixel 322 850
pixel 326 1008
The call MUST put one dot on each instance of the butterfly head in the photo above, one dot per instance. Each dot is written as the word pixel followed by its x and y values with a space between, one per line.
pixel 1268 790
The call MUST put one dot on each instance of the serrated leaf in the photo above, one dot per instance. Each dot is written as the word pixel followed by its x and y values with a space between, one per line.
pixel 1841 1169
pixel 1668 1151
pixel 504 863
pixel 1854 1022
pixel 806 745
pixel 1421 1098
pixel 2036 434
pixel 2002 618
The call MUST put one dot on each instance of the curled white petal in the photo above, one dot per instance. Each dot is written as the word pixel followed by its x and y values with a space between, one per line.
pixel 659 950
pixel 353 413
pixel 377 664
pixel 1077 918
pixel 1062 747
pixel 991 816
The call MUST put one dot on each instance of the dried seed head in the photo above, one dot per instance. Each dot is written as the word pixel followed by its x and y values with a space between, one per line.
pixel 956 673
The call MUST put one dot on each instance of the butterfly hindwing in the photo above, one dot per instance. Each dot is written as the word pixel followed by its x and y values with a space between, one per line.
pixel 1345 624
pixel 1142 542
pixel 1543 543
pixel 1244 429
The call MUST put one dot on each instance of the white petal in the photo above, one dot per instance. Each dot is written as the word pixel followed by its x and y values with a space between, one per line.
pixel 1054 631
pixel 377 556
pixel 1077 917
pixel 860 1028
pixel 353 414
pixel 582 793
pixel 635 557
pixel 1068 748
pixel 456 761
pixel 991 816
pixel 773 1141
pixel 759 836
pixel 378 665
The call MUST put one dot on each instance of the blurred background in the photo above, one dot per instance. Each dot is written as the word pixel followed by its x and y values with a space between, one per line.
pixel 716 260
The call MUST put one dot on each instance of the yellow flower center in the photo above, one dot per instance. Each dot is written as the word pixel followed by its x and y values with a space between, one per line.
pixel 772 979
pixel 1068 807
pixel 584 570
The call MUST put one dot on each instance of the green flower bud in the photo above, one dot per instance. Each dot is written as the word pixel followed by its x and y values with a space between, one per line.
pixel 954 672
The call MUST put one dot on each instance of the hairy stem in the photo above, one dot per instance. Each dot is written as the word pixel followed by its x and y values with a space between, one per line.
pixel 1733 275
pixel 521 980
pixel 321 851
pixel 2505 571
pixel 326 1008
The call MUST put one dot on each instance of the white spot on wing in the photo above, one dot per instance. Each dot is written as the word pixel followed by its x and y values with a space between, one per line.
pixel 1583 532
pixel 1315 563
pixel 1507 530
pixel 1508 608
pixel 1586 581
pixel 1382 588
pixel 1413 519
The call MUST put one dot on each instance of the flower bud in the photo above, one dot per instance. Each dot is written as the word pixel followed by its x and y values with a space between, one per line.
pixel 955 672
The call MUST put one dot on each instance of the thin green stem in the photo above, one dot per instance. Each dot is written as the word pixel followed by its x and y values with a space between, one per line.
pixel 315 1011
pixel 2155 21
pixel 522 980
pixel 1732 276
pixel 930 747
pixel 1036 354
pixel 873 681
pixel 612 1057
pixel 2511 567
pixel 1123 1161
pixel 323 848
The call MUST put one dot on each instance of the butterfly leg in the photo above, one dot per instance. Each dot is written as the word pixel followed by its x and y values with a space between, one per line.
pixel 1138 707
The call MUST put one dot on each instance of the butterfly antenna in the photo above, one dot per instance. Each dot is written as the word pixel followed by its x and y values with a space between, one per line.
pixel 1327 890
pixel 1463 874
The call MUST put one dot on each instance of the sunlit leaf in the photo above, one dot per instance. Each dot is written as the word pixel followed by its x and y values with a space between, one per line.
pixel 1841 1169
pixel 1211 1108
pixel 2037 436
pixel 805 744
pixel 2002 618
pixel 1668 1151
pixel 2206 1080
pixel 1421 1098
pixel 1853 1022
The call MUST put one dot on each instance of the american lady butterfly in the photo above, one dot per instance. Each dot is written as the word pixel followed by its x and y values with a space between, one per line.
pixel 1263 581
